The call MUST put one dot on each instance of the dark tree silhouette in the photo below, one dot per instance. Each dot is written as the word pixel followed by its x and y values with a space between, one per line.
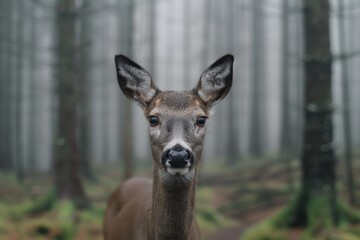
pixel 347 106
pixel 256 130
pixel 66 163
pixel 126 40
pixel 318 159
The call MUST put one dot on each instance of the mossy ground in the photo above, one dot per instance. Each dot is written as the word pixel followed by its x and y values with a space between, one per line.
pixel 319 224
pixel 31 211
pixel 231 198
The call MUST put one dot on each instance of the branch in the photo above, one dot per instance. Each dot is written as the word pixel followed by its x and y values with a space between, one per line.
pixel 346 55
pixel 44 5
pixel 93 9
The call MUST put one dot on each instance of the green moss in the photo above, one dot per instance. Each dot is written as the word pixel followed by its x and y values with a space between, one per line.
pixel 66 218
pixel 34 207
pixel 319 212
pixel 347 213
pixel 319 224
pixel 264 231
pixel 207 216
pixel 93 215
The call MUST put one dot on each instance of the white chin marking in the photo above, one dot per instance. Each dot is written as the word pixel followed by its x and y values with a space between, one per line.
pixel 177 171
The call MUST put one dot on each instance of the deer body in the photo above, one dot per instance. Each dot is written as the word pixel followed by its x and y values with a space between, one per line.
pixel 163 208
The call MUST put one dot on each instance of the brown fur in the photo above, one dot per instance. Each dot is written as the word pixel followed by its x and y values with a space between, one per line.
pixel 163 209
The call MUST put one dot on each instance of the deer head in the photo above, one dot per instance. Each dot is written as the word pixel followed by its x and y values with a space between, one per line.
pixel 176 118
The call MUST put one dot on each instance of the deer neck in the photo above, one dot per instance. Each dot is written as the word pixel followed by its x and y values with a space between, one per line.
pixel 173 208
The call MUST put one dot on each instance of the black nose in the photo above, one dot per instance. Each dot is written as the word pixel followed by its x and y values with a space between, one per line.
pixel 177 154
pixel 177 157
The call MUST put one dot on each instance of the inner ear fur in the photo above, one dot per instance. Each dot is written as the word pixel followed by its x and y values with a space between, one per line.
pixel 134 81
pixel 216 81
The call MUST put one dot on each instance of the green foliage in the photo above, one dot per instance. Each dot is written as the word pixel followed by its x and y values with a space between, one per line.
pixel 207 216
pixel 319 223
pixel 66 218
pixel 264 231
pixel 347 213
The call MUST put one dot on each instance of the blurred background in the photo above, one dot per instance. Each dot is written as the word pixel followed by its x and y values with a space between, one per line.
pixel 57 79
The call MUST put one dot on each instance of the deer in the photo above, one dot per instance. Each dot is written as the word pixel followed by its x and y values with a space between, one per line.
pixel 163 208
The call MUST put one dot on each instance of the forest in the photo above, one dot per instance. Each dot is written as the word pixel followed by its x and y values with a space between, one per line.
pixel 281 152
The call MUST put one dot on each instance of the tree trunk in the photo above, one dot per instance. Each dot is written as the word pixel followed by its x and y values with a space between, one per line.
pixel 19 94
pixel 33 129
pixel 66 162
pixel 346 107
pixel 232 144
pixel 9 157
pixel 3 87
pixel 186 44
pixel 127 140
pixel 83 97
pixel 317 201
pixel 285 118
pixel 256 131
pixel 152 38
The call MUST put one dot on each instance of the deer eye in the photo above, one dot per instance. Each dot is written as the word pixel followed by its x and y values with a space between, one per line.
pixel 153 120
pixel 201 121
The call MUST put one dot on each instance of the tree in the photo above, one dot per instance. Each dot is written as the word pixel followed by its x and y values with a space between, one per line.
pixel 347 105
pixel 19 86
pixel 3 87
pixel 7 162
pixel 66 163
pixel 285 118
pixel 126 40
pixel 316 207
pixel 318 158
pixel 152 37
pixel 232 144
pixel 83 95
pixel 256 131
pixel 33 97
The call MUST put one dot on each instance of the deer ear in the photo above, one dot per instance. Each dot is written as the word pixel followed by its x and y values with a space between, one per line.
pixel 215 82
pixel 135 82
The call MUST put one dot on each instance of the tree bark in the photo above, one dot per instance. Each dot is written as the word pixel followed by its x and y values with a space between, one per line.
pixel 33 129
pixel 317 200
pixel 256 131
pixel 66 162
pixel 19 94
pixel 8 76
pixel 232 144
pixel 346 107
pixel 3 87
pixel 83 97
pixel 127 141
pixel 285 117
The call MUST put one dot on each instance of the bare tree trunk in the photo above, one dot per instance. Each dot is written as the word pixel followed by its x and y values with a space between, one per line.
pixel 3 86
pixel 32 133
pixel 347 107
pixel 83 97
pixel 232 144
pixel 285 118
pixel 66 163
pixel 186 43
pixel 256 129
pixel 152 37
pixel 206 33
pixel 8 92
pixel 19 94
pixel 127 140
pixel 318 159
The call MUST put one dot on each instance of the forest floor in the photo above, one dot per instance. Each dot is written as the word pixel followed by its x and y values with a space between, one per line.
pixel 229 201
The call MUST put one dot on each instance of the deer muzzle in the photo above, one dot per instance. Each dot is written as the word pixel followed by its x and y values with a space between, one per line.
pixel 177 160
